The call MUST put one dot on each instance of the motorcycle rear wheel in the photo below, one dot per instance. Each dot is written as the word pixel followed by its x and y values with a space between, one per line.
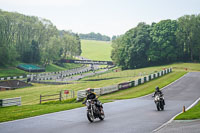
pixel 102 116
pixel 162 107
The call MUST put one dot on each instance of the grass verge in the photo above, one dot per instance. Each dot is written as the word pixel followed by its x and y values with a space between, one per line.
pixel 193 113
pixel 20 112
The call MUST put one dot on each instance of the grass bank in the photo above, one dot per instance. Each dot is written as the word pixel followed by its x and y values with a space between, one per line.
pixel 96 50
pixel 67 66
pixel 20 112
pixel 193 113
pixel 6 72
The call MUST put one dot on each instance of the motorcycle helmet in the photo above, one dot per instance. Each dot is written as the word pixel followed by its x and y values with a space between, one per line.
pixel 157 88
pixel 88 90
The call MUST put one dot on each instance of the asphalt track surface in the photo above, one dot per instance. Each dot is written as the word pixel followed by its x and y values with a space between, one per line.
pixel 137 115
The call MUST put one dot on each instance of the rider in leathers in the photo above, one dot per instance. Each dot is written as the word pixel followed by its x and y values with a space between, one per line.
pixel 157 92
pixel 91 95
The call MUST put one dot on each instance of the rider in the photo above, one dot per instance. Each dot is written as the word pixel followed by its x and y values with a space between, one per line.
pixel 157 92
pixel 91 95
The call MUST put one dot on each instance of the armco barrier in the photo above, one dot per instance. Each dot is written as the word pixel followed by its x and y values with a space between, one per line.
pixel 142 80
pixel 147 78
pixel 97 91
pixel 124 85
pixel 10 102
pixel 109 89
pixel 136 82
pixel 81 95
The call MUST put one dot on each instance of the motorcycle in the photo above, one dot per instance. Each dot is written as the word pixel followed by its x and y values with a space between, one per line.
pixel 159 101
pixel 93 111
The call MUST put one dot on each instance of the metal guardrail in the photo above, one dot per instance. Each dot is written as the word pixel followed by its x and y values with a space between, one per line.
pixel 10 102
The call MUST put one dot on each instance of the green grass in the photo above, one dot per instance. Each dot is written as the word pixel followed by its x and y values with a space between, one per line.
pixel 182 66
pixel 96 50
pixel 55 68
pixel 193 113
pixel 6 72
pixel 20 112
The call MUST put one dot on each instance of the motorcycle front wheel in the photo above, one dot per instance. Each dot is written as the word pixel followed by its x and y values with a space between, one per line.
pixel 90 117
pixel 158 106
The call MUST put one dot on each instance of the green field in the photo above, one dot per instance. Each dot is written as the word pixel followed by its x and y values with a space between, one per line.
pixel 96 50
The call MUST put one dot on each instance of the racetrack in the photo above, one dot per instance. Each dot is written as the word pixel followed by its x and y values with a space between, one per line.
pixel 137 115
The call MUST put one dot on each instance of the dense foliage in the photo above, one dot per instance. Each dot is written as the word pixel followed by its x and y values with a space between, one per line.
pixel 164 42
pixel 94 36
pixel 31 39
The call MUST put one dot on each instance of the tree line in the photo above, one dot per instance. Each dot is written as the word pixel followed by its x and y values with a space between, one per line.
pixel 94 36
pixel 160 43
pixel 31 39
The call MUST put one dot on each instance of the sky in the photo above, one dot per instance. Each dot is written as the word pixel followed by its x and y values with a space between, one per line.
pixel 108 17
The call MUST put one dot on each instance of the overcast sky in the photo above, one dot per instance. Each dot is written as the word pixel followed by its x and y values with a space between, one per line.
pixel 109 17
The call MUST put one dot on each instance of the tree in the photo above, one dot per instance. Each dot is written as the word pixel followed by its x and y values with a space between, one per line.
pixel 31 39
pixel 163 48
pixel 188 36
pixel 129 50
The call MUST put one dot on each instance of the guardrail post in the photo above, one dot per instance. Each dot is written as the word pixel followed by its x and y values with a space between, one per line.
pixel 145 79
pixel 149 77
pixel 1 102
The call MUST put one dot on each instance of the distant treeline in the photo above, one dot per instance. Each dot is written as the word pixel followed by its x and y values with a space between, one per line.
pixel 94 36
pixel 31 39
pixel 160 43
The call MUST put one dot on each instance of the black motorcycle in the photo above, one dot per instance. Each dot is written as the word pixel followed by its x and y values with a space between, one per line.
pixel 94 110
pixel 159 101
